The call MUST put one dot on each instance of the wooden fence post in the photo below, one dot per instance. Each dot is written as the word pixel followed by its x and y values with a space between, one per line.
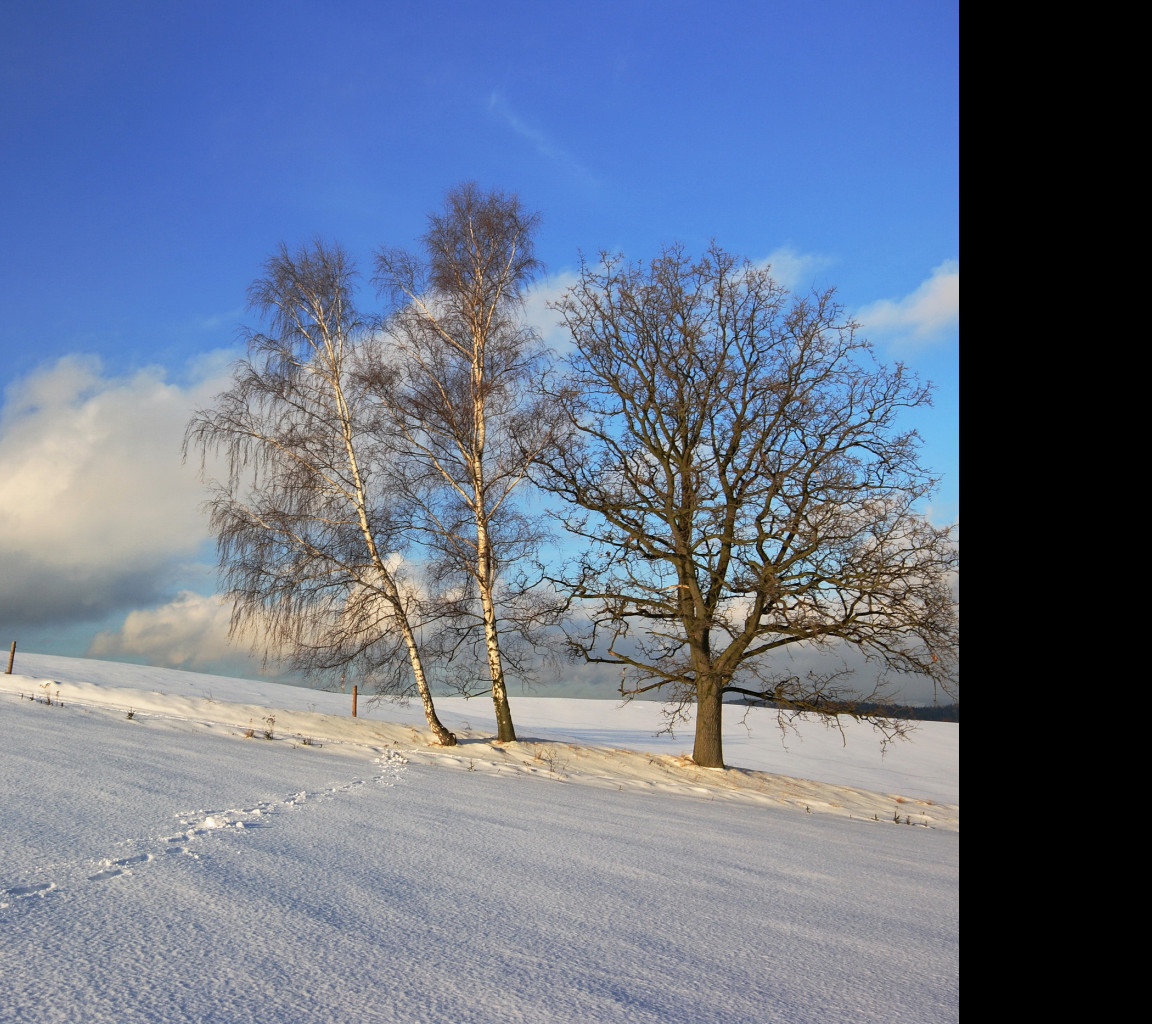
pixel 354 689
pixel 11 657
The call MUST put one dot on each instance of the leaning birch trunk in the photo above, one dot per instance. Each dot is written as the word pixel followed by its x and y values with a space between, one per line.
pixel 443 735
pixel 390 591
pixel 380 586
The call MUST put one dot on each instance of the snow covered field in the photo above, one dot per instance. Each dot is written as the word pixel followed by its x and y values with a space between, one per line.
pixel 164 867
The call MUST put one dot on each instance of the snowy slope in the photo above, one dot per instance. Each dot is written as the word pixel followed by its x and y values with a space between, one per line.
pixel 166 868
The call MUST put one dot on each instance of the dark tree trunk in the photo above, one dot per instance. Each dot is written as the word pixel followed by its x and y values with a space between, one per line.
pixel 708 751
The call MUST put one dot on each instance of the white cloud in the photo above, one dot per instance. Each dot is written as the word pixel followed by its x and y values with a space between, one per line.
pixel 545 320
pixel 96 507
pixel 920 317
pixel 189 632
pixel 793 269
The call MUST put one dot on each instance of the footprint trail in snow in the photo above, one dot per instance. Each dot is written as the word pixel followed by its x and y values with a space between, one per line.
pixel 198 826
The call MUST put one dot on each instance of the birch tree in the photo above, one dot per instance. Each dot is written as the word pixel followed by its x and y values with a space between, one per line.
pixel 309 538
pixel 742 484
pixel 463 365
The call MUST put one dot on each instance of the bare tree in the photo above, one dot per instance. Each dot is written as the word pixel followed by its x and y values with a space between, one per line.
pixel 742 486
pixel 463 365
pixel 308 536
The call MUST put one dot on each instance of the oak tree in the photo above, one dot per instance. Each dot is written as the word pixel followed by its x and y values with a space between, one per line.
pixel 740 483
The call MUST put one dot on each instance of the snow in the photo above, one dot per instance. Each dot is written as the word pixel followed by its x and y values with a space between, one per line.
pixel 164 867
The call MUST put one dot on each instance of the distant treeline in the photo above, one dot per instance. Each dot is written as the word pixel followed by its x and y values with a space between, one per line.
pixel 933 713
pixel 909 712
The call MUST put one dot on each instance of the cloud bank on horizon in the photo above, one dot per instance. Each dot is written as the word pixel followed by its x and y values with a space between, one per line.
pixel 149 193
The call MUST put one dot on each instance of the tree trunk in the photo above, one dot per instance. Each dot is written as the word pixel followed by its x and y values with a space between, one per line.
pixel 446 737
pixel 505 731
pixel 708 750
pixel 443 736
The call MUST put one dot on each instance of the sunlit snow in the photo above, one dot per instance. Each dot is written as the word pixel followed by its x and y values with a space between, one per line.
pixel 158 863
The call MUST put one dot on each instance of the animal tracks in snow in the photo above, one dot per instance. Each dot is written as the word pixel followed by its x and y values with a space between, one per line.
pixel 197 827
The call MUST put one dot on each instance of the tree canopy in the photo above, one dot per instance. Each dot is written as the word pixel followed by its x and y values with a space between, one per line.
pixel 740 483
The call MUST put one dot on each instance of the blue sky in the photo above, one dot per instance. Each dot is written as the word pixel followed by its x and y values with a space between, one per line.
pixel 155 154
